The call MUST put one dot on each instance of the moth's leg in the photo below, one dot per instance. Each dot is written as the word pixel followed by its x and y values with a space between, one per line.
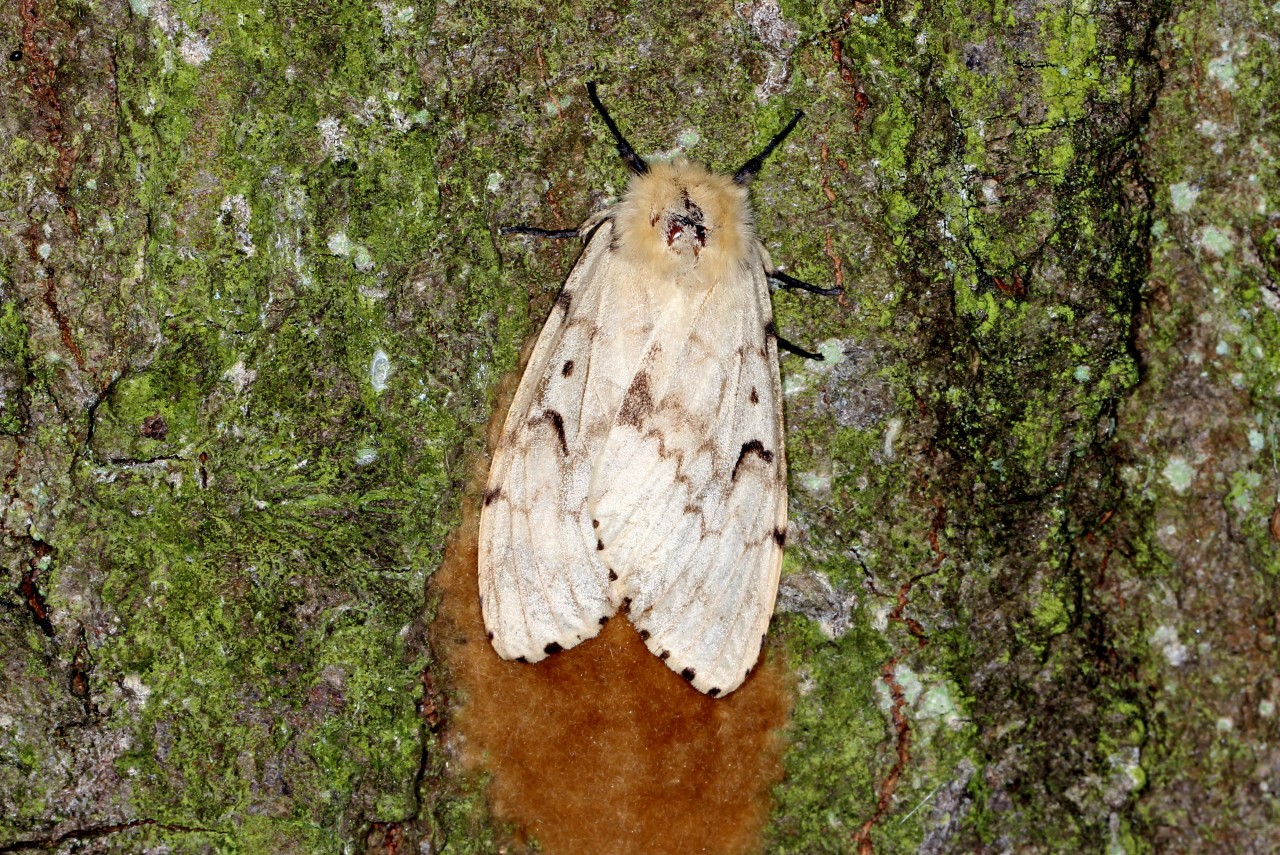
pixel 793 284
pixel 783 344
pixel 531 231
pixel 585 231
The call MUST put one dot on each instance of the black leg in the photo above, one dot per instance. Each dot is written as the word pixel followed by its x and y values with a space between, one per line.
pixel 793 284
pixel 797 350
pixel 530 231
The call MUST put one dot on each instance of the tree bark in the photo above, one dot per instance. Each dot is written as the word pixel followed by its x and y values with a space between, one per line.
pixel 254 306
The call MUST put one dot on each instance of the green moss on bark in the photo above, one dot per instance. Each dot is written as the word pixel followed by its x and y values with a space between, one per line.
pixel 249 336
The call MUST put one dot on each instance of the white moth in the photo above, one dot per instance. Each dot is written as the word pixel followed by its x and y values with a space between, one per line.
pixel 641 465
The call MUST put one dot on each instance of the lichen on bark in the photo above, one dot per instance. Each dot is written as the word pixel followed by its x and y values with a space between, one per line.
pixel 253 307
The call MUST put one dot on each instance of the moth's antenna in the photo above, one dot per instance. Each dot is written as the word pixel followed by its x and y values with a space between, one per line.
pixel 752 167
pixel 634 162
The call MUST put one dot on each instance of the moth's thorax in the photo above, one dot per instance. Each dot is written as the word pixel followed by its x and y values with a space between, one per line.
pixel 681 221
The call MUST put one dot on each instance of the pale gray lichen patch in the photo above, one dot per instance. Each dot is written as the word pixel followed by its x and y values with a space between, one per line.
pixel 159 11
pixel 1216 241
pixel 909 683
pixel 340 244
pixel 379 370
pixel 195 49
pixel 1166 639
pixel 1179 473
pixel 793 384
pixel 136 689
pixel 395 19
pixel 334 141
pixel 857 393
pixel 892 428
pixel 939 703
pixel 236 212
pixel 811 594
pixel 1222 69
pixel 239 376
pixel 777 35
pixel 1126 772
pixel 363 260
pixel 1183 195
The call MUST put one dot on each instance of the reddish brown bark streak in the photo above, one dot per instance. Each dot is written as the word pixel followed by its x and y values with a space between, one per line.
pixel 888 673
pixel 42 77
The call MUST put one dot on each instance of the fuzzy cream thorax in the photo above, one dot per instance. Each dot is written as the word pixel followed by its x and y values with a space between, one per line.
pixel 680 220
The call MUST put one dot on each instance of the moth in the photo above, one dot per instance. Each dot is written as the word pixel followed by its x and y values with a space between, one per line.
pixel 641 466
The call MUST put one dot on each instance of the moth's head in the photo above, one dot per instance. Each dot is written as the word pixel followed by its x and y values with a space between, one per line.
pixel 678 219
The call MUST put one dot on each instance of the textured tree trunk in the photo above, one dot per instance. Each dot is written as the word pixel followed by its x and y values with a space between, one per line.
pixel 253 310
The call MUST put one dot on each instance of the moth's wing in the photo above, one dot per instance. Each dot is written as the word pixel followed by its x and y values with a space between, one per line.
pixel 690 490
pixel 543 585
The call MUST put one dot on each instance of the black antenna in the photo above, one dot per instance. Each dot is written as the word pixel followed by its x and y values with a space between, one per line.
pixel 752 167
pixel 634 162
